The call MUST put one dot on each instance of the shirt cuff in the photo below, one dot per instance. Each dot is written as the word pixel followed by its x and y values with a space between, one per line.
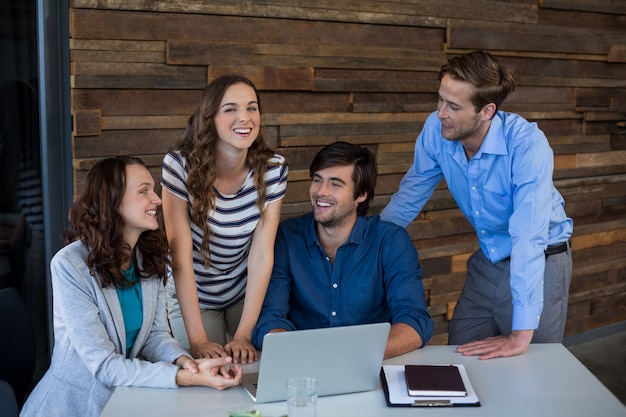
pixel 526 317
pixel 423 327
pixel 260 331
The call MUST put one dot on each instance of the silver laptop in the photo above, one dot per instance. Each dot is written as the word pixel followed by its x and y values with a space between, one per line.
pixel 342 359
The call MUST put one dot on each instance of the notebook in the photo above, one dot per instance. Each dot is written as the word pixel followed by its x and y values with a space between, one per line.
pixel 342 359
pixel 434 381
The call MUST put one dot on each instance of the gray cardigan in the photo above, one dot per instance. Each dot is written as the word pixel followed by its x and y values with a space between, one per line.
pixel 89 356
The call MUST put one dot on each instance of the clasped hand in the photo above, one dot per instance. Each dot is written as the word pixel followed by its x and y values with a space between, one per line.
pixel 219 373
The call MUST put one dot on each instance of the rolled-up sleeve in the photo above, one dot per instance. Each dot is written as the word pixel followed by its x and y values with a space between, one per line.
pixel 403 282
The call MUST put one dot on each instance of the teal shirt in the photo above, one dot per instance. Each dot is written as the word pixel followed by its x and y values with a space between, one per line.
pixel 132 310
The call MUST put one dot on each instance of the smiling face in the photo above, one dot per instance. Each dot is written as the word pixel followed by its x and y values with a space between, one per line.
pixel 458 116
pixel 332 196
pixel 238 118
pixel 139 204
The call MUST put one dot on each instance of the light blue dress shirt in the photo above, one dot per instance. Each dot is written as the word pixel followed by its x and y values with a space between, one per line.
pixel 505 191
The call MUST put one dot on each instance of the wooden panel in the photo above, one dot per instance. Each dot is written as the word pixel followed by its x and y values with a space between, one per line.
pixel 541 95
pixel 116 56
pixel 371 80
pixel 571 82
pixel 616 7
pixel 569 68
pixel 120 102
pixel 598 97
pixel 144 122
pixel 416 12
pixel 116 45
pixel 520 37
pixel 561 127
pixel 126 142
pixel 134 81
pixel 270 78
pixel 305 102
pixel 443 284
pixel 400 102
pixel 87 122
pixel 136 69
pixel 601 158
pixel 364 125
pixel 291 141
pixel 137 75
pixel 341 118
pixel 367 72
pixel 116 25
pixel 363 11
pixel 573 18
pixel 580 144
pixel 188 52
pixel 300 55
pixel 617 53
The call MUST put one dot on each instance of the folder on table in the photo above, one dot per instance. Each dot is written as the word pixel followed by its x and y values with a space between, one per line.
pixel 397 394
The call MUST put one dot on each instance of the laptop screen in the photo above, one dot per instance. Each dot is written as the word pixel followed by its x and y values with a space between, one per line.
pixel 342 359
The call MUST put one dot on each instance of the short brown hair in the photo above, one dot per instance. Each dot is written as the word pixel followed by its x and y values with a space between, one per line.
pixel 365 170
pixel 493 81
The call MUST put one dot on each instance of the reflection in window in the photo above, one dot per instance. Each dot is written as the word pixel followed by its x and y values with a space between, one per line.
pixel 22 263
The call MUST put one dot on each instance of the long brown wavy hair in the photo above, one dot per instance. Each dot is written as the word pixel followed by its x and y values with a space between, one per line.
pixel 94 218
pixel 198 146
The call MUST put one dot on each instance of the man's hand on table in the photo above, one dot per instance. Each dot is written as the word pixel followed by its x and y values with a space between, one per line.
pixel 499 346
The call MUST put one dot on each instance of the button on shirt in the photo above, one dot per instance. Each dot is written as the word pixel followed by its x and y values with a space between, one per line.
pixel 505 191
pixel 375 278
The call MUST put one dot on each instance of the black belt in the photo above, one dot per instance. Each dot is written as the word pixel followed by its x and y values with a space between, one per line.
pixel 558 248
pixel 552 249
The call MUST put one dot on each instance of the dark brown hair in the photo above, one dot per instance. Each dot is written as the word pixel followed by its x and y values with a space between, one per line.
pixel 365 170
pixel 198 146
pixel 95 220
pixel 493 81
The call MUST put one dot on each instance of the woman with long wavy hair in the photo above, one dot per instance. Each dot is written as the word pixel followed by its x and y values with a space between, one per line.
pixel 222 193
pixel 110 320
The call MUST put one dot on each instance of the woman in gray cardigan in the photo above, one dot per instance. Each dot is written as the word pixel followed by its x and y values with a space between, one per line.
pixel 110 322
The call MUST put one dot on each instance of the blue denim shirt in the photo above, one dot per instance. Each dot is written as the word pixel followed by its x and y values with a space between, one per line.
pixel 505 191
pixel 376 277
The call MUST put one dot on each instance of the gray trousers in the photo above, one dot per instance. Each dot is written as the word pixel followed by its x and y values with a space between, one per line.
pixel 485 306
pixel 220 325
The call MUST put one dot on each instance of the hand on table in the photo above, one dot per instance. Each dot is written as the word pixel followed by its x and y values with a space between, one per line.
pixel 208 349
pixel 242 351
pixel 499 346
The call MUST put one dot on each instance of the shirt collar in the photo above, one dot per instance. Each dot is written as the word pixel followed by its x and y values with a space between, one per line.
pixel 356 236
pixel 494 140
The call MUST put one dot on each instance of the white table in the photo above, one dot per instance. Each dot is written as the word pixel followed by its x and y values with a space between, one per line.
pixel 545 381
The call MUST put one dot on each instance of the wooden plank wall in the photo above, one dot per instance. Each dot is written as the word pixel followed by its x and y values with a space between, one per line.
pixel 366 72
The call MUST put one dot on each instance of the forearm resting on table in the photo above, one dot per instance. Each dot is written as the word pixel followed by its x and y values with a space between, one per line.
pixel 402 339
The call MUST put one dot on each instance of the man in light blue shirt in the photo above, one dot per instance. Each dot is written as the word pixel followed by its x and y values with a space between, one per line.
pixel 498 167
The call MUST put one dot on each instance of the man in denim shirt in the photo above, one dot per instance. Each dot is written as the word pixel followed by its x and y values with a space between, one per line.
pixel 498 167
pixel 338 267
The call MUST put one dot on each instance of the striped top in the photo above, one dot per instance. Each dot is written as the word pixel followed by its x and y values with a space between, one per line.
pixel 232 223
pixel 29 195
